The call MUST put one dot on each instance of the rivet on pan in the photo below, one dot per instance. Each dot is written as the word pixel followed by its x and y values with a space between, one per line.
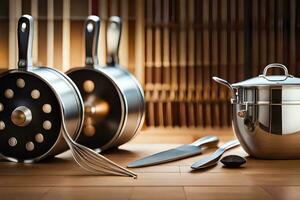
pixel 29 146
pixel 35 94
pixel 2 125
pixel 88 86
pixel 47 108
pixel 47 125
pixel 1 107
pixel 23 27
pixel 9 93
pixel 90 27
pixel 20 83
pixel 39 138
pixel 89 130
pixel 12 141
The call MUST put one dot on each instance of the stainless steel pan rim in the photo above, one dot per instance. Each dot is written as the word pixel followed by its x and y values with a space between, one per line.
pixel 140 118
pixel 78 99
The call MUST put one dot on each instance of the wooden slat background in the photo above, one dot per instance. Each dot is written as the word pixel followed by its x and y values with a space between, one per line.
pixel 172 46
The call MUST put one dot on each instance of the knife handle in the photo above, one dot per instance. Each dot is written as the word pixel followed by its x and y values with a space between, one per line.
pixel 207 141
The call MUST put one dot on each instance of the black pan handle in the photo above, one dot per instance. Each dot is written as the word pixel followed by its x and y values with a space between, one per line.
pixel 25 37
pixel 114 29
pixel 92 26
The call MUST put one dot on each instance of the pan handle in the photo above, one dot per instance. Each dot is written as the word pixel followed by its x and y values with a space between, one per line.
pixel 114 29
pixel 25 38
pixel 224 82
pixel 92 26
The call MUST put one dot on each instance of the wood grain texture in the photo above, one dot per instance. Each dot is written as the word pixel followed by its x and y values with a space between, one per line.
pixel 60 178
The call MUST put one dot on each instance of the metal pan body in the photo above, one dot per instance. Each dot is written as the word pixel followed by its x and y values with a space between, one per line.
pixel 124 96
pixel 42 92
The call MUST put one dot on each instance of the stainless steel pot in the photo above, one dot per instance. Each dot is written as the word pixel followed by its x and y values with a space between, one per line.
pixel 266 114
pixel 32 100
pixel 113 98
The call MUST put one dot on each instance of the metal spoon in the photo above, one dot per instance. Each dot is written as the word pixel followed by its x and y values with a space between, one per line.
pixel 214 158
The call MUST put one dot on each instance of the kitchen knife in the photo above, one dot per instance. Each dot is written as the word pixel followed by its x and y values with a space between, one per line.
pixel 177 153
pixel 214 158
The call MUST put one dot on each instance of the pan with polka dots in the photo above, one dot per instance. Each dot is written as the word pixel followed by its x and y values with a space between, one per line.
pixel 32 100
pixel 113 98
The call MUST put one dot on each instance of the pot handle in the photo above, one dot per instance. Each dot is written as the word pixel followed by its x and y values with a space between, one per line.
pixel 276 65
pixel 114 29
pixel 224 82
pixel 92 26
pixel 25 39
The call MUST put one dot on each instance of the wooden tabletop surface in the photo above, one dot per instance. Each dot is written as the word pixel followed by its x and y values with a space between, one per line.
pixel 61 178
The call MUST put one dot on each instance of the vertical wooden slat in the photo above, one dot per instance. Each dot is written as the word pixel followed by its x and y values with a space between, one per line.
pixel 191 64
pixel 140 42
pixel 124 39
pixel 4 34
pixel 157 65
pixel 166 65
pixel 103 13
pixel 66 36
pixel 34 14
pixel 286 33
pixel 42 33
pixel 199 64
pixel 215 62
pixel 226 69
pixel 279 31
pixel 182 63
pixel 271 35
pixel 50 33
pixel 232 41
pixel 174 62
pixel 292 36
pixel 79 10
pixel 241 41
pixel 149 64
pixel 15 7
pixel 255 40
pixel 206 62
pixel 262 36
pixel 113 7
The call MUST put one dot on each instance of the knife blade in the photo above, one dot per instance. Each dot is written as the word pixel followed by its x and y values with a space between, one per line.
pixel 214 157
pixel 180 152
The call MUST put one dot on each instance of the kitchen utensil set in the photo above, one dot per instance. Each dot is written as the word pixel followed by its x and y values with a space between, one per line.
pixel 181 152
pixel 42 111
pixel 188 150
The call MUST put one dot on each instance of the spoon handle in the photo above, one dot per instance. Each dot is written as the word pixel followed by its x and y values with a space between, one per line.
pixel 214 157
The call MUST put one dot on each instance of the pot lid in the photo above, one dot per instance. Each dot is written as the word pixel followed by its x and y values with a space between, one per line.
pixel 270 80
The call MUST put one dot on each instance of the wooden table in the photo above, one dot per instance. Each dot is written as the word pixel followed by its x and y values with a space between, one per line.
pixel 61 178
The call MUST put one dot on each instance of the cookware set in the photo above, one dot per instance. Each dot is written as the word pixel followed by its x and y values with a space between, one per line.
pixel 44 111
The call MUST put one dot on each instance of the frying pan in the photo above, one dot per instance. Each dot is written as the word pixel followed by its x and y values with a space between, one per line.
pixel 34 102
pixel 113 98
